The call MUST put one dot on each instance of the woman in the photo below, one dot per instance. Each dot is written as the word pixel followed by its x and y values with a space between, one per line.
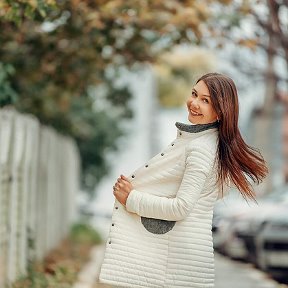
pixel 161 225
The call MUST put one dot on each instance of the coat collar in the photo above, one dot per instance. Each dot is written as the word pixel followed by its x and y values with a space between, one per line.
pixel 196 129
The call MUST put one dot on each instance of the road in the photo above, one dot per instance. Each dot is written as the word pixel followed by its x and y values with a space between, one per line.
pixel 228 273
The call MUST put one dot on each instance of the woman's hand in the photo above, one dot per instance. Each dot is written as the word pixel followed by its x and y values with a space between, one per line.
pixel 122 189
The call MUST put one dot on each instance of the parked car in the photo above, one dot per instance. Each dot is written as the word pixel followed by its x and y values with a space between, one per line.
pixel 252 224
pixel 228 211
pixel 226 240
pixel 235 229
pixel 268 207
pixel 272 245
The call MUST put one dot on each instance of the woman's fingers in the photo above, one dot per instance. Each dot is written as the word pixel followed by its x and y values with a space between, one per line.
pixel 120 195
pixel 124 178
pixel 122 188
pixel 117 184
pixel 121 181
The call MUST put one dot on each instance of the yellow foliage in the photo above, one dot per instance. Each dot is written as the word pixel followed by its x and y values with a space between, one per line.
pixel 163 71
pixel 202 10
pixel 245 7
pixel 177 71
pixel 190 58
pixel 251 43
pixel 173 92
pixel 32 3
pixel 225 2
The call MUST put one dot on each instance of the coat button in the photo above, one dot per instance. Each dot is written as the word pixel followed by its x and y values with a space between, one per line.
pixel 133 176
pixel 180 133
pixel 162 154
pixel 172 144
pixel 146 166
pixel 110 242
pixel 113 224
pixel 116 207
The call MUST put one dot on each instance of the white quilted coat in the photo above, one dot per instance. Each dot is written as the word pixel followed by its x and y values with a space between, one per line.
pixel 178 185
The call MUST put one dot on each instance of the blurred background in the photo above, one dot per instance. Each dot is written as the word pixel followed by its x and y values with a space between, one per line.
pixel 91 89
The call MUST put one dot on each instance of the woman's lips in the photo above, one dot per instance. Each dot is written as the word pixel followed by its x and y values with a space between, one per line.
pixel 195 113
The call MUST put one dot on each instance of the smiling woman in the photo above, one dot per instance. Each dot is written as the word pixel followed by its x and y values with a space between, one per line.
pixel 161 234
pixel 201 110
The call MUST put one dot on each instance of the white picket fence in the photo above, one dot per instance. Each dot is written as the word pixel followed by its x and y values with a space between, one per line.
pixel 39 176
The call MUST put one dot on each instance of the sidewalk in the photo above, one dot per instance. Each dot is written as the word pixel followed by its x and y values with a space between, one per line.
pixel 88 276
pixel 228 273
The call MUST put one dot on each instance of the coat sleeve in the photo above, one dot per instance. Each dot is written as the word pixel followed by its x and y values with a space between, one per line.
pixel 199 163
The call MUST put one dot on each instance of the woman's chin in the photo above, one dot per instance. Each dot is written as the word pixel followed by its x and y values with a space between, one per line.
pixel 192 120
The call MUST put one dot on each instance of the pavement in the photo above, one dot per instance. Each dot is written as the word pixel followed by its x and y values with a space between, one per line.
pixel 228 273
pixel 88 276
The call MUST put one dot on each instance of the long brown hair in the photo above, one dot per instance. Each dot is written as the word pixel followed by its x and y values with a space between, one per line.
pixel 236 159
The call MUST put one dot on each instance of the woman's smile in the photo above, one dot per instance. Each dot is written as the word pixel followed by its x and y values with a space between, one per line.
pixel 195 113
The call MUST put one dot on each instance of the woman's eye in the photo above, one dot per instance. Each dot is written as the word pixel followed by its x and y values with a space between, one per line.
pixel 205 101
pixel 193 93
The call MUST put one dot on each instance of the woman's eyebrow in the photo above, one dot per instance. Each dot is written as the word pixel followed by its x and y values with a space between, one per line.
pixel 193 89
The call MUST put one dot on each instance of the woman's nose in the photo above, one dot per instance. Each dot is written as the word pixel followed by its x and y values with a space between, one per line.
pixel 195 103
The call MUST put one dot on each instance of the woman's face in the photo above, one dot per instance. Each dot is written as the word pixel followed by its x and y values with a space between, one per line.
pixel 200 106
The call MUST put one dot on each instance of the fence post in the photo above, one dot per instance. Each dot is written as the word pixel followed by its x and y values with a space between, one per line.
pixel 15 196
pixel 6 122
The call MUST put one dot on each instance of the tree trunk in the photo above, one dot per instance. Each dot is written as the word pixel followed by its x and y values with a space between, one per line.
pixel 266 122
